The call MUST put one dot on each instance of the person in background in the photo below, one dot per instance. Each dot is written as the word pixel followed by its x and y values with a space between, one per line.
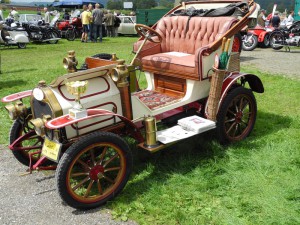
pixel 116 25
pixel 290 19
pixel 1 14
pixel 109 20
pixel 39 11
pixel 85 18
pixel 97 15
pixel 66 15
pixel 14 14
pixel 261 19
pixel 47 15
pixel 91 27
pixel 275 20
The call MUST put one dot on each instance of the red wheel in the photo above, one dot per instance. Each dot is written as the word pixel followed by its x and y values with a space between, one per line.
pixel 28 143
pixel 148 33
pixel 237 115
pixel 93 170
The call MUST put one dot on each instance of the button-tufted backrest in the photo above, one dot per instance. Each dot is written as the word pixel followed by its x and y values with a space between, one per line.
pixel 180 34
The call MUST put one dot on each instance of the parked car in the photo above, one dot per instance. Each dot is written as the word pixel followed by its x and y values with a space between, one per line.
pixel 127 25
pixel 30 18
pixel 78 123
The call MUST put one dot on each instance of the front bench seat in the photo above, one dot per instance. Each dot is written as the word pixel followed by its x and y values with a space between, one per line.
pixel 183 41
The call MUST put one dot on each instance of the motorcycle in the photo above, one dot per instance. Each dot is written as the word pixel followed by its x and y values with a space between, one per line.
pixel 13 35
pixel 249 41
pixel 42 32
pixel 286 37
pixel 263 35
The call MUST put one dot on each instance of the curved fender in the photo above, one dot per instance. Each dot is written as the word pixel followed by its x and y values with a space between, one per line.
pixel 21 38
pixel 254 83
pixel 65 120
pixel 261 36
pixel 16 96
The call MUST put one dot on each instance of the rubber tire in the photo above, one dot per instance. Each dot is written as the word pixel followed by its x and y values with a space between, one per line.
pixel 74 150
pixel 14 134
pixel 275 35
pixel 223 111
pixel 266 42
pixel 251 47
pixel 70 35
pixel 52 34
pixel 22 45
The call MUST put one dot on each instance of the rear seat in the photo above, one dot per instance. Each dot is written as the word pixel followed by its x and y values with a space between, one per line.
pixel 183 41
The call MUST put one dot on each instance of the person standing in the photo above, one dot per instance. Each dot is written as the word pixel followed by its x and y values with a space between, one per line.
pixel 47 15
pixel 116 25
pixel 109 20
pixel 85 19
pixel 275 20
pixel 14 14
pixel 261 19
pixel 91 27
pixel 290 19
pixel 97 15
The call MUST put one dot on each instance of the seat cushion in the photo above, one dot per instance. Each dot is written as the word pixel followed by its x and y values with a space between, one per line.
pixel 182 64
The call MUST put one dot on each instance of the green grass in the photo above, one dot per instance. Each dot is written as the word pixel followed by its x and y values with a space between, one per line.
pixel 198 181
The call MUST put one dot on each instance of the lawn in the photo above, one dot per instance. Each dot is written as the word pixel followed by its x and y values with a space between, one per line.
pixel 198 181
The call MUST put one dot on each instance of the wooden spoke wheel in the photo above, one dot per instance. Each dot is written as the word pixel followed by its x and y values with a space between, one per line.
pixel 237 115
pixel 148 33
pixel 93 170
pixel 29 141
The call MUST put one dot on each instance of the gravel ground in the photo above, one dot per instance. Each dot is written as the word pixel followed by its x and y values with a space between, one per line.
pixel 33 199
pixel 274 61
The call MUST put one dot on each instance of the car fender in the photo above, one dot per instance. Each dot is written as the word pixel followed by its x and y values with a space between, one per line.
pixel 16 96
pixel 66 120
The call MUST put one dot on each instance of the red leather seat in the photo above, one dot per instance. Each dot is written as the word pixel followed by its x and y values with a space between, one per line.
pixel 179 53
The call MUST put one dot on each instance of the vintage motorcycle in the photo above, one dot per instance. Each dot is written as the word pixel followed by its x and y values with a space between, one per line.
pixel 286 37
pixel 13 35
pixel 42 32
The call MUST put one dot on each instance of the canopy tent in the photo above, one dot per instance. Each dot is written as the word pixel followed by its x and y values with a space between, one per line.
pixel 74 3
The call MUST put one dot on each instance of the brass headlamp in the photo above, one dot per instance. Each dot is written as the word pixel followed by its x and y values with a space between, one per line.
pixel 39 125
pixel 70 62
pixel 17 109
pixel 120 75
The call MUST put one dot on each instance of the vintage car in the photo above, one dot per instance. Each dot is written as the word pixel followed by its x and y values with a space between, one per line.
pixel 127 25
pixel 77 123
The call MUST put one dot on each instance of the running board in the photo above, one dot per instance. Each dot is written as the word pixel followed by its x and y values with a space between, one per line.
pixel 187 127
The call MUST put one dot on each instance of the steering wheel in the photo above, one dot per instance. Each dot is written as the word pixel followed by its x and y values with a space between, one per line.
pixel 148 33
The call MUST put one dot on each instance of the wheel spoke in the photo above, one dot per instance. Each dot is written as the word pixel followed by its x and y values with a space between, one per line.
pixel 231 112
pixel 235 130
pixel 110 160
pixel 112 169
pixel 108 179
pixel 84 164
pixel 99 187
pixel 230 120
pixel 88 190
pixel 230 128
pixel 102 156
pixel 79 174
pixel 93 157
pixel 80 183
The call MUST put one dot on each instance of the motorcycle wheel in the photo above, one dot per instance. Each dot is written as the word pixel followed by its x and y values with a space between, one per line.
pixel 70 35
pixel 52 34
pixel 276 39
pixel 93 170
pixel 250 42
pixel 266 42
pixel 236 116
pixel 21 45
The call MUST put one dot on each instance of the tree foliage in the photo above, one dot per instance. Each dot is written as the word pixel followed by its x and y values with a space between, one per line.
pixel 281 5
pixel 137 4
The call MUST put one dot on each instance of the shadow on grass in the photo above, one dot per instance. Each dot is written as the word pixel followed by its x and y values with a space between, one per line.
pixel 18 71
pixel 11 83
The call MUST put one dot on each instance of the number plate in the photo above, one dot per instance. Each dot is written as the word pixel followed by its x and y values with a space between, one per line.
pixel 51 149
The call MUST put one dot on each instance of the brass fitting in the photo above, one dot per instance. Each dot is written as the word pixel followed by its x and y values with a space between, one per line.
pixel 70 62
pixel 120 75
pixel 15 110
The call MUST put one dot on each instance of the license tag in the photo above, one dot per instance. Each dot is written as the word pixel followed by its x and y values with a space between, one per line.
pixel 51 149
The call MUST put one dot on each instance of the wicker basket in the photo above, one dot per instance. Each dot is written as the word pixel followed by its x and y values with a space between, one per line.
pixel 234 62
pixel 215 93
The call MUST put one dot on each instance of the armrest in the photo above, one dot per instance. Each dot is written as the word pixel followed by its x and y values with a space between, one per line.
pixel 149 48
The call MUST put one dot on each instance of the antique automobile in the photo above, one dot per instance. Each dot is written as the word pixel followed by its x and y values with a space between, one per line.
pixel 78 123
pixel 127 25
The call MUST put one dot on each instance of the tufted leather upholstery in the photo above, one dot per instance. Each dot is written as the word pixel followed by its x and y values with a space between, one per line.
pixel 177 38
